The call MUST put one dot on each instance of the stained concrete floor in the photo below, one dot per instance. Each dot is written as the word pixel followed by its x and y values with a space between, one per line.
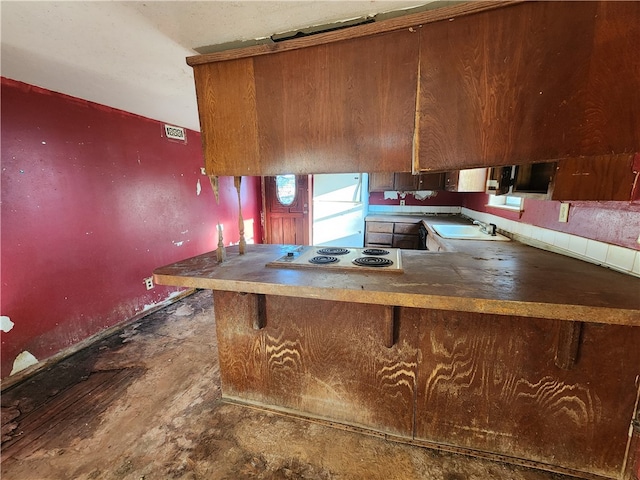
pixel 145 404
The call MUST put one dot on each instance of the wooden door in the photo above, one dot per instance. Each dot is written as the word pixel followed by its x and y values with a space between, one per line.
pixel 287 214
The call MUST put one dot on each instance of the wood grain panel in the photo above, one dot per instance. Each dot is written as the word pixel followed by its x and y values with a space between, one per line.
pixel 241 349
pixel 610 122
pixel 323 359
pixel 608 177
pixel 500 87
pixel 490 383
pixel 344 107
pixel 227 110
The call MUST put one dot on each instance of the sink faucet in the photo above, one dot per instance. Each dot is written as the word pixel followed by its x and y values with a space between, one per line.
pixel 488 228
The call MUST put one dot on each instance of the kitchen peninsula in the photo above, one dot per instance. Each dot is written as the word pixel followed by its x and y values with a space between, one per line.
pixel 495 349
pixel 491 348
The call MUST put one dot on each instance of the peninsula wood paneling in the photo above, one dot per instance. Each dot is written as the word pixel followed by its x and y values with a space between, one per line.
pixel 343 107
pixel 529 82
pixel 323 359
pixel 490 383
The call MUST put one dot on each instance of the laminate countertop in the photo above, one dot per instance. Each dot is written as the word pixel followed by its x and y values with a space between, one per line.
pixel 504 278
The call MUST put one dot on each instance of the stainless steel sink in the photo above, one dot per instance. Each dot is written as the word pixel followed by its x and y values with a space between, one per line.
pixel 466 232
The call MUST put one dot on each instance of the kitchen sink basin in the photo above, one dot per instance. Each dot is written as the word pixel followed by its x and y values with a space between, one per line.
pixel 466 232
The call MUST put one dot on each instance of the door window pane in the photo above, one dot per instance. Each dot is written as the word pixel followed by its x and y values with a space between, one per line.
pixel 286 189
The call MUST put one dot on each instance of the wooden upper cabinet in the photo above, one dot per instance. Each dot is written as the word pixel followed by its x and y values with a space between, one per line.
pixel 228 120
pixel 347 106
pixel 529 82
pixel 607 177
pixel 479 85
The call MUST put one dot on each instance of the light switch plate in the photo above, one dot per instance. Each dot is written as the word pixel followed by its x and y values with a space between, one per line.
pixel 564 213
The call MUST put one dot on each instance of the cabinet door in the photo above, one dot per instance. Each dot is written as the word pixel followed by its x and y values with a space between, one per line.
pixel 405 182
pixel 227 109
pixel 529 82
pixel 408 242
pixel 346 106
pixel 383 239
pixel 379 227
pixel 380 182
pixel 609 177
pixel 406 228
pixel 431 181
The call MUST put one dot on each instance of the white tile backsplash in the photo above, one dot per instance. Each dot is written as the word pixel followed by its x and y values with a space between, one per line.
pixel 625 260
pixel 576 244
pixel 620 257
pixel 597 251
pixel 412 209
pixel 561 240
pixel 636 265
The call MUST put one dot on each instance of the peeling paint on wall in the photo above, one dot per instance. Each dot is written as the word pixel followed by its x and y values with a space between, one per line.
pixel 5 323
pixel 198 188
pixel 22 361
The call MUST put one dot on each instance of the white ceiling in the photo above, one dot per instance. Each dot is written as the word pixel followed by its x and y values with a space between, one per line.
pixel 131 55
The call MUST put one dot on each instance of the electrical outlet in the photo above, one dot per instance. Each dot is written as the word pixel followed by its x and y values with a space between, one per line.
pixel 148 282
pixel 402 203
pixel 564 213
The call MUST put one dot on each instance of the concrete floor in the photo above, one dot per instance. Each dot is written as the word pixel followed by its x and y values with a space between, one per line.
pixel 145 404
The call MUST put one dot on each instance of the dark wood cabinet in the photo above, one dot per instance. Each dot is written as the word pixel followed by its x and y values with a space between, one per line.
pixel 522 83
pixel 529 82
pixel 468 180
pixel 430 181
pixel 606 177
pixel 405 182
pixel 392 234
pixel 381 182
pixel 343 107
pixel 227 110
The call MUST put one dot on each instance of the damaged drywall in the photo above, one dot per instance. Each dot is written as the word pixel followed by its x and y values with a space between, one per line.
pixel 22 361
pixel 6 324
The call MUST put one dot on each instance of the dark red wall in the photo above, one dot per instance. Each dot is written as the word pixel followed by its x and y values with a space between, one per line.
pixel 93 200
pixel 616 223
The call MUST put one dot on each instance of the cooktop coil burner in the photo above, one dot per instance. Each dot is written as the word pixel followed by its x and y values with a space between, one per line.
pixel 323 259
pixel 375 251
pixel 332 251
pixel 372 262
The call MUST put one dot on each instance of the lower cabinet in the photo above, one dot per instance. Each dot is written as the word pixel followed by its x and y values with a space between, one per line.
pixel 470 381
pixel 392 234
